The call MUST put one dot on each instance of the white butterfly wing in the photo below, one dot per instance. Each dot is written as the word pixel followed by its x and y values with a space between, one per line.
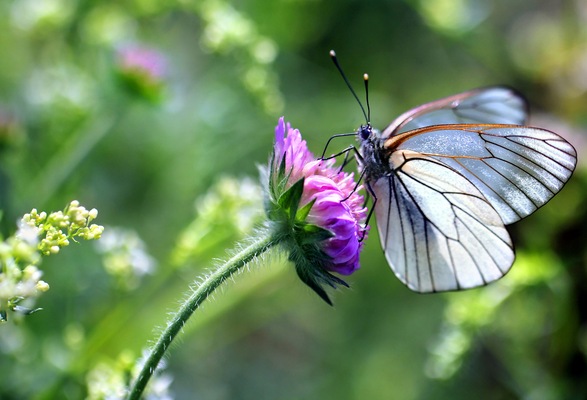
pixel 464 166
pixel 492 105
pixel 437 230
pixel 516 168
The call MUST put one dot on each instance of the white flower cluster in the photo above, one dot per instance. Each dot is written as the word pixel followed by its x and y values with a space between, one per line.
pixel 60 226
pixel 38 234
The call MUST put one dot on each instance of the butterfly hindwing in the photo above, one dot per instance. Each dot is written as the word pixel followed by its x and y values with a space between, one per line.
pixel 491 105
pixel 437 230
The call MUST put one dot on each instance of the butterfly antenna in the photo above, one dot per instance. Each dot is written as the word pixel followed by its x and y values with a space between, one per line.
pixel 335 60
pixel 366 79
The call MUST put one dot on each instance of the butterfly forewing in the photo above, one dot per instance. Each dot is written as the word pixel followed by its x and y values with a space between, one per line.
pixel 493 105
pixel 516 168
pixel 437 229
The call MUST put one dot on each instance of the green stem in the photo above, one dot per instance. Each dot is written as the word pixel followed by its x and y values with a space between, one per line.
pixel 204 289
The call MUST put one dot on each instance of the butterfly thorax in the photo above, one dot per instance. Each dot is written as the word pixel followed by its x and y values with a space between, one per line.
pixel 375 157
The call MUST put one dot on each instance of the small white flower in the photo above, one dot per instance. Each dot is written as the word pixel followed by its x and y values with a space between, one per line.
pixel 125 255
pixel 28 233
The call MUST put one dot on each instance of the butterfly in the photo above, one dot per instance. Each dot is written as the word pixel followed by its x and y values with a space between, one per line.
pixel 448 176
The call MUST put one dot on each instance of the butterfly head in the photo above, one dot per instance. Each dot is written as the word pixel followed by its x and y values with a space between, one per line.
pixel 365 132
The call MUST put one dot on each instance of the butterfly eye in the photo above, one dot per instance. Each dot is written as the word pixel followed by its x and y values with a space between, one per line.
pixel 365 131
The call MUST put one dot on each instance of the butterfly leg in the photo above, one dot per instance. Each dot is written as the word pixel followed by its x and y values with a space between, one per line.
pixel 328 143
pixel 356 186
pixel 372 194
pixel 345 162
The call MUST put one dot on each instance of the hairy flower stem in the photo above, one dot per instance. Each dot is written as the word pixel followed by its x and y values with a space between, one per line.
pixel 202 291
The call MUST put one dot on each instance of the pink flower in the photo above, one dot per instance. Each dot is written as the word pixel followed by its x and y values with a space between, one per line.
pixel 142 60
pixel 344 219
pixel 142 70
pixel 335 207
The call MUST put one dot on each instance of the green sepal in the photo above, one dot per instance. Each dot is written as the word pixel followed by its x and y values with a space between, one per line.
pixel 309 261
pixel 290 199
pixel 277 183
pixel 310 234
pixel 311 281
pixel 281 172
pixel 277 178
pixel 268 175
pixel 303 212
pixel 315 277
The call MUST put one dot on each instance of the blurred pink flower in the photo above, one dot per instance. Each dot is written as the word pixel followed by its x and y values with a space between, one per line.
pixel 143 60
pixel 143 70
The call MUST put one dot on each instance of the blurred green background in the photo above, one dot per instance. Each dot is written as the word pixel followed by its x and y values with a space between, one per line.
pixel 77 123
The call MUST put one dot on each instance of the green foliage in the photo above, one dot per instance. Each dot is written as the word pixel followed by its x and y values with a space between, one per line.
pixel 72 127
